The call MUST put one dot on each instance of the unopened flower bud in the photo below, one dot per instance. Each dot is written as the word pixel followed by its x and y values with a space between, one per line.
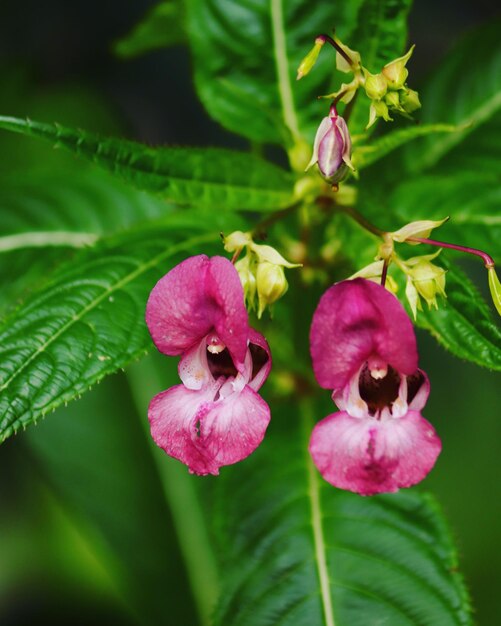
pixel 427 280
pixel 310 59
pixel 248 280
pixel 375 85
pixel 495 288
pixel 392 100
pixel 409 100
pixel 332 148
pixel 271 284
pixel 395 72
pixel 378 109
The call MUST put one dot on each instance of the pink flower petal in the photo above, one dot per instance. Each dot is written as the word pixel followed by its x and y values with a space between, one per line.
pixel 370 456
pixel 204 434
pixel 330 151
pixel 234 427
pixel 229 318
pixel 196 296
pixel 357 319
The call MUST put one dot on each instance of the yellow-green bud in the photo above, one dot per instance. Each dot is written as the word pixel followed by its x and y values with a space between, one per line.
pixel 495 288
pixel 248 280
pixel 310 59
pixel 378 109
pixel 409 100
pixel 271 284
pixel 395 72
pixel 375 85
pixel 427 279
pixel 392 100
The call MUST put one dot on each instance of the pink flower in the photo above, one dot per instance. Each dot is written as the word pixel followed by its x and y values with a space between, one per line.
pixel 363 347
pixel 216 417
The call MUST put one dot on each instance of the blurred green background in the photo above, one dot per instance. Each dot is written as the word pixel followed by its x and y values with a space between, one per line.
pixel 85 532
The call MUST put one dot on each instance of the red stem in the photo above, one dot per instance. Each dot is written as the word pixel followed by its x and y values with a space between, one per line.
pixel 337 47
pixel 488 260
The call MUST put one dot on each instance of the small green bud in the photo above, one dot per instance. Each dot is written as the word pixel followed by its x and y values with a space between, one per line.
pixel 409 100
pixel 378 109
pixel 248 280
pixel 395 72
pixel 392 100
pixel 495 288
pixel 271 284
pixel 375 85
pixel 427 280
pixel 310 59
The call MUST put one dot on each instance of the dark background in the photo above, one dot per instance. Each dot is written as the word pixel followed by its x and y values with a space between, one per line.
pixel 58 43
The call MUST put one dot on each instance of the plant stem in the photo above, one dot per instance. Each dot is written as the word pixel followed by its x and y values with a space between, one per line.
pixel 487 259
pixel 337 47
pixel 182 499
pixel 384 272
pixel 260 229
pixel 360 219
pixel 316 516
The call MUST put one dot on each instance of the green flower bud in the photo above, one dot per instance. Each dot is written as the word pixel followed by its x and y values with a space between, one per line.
pixel 495 288
pixel 427 280
pixel 375 85
pixel 409 100
pixel 395 72
pixel 378 109
pixel 392 100
pixel 271 284
pixel 245 271
pixel 310 59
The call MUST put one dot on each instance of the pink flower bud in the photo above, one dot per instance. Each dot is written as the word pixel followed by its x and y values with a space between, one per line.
pixel 332 148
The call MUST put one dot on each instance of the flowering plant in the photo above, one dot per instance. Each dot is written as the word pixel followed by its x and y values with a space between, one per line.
pixel 207 483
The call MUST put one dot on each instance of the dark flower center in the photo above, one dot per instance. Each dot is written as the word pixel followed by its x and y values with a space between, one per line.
pixel 378 393
pixel 221 364
pixel 414 384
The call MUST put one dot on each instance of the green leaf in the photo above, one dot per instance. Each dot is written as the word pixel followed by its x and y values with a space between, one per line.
pixel 83 201
pixel 246 56
pixel 161 27
pixel 471 199
pixel 86 322
pixel 464 323
pixel 468 98
pixel 366 155
pixel 321 556
pixel 117 505
pixel 215 178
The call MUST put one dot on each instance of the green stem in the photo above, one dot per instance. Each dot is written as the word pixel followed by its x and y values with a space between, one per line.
pixel 181 496
pixel 316 516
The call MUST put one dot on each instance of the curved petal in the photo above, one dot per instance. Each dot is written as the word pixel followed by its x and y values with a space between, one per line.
pixel 370 456
pixel 233 428
pixel 260 374
pixel 175 417
pixel 325 125
pixel 206 435
pixel 196 296
pixel 229 315
pixel 418 386
pixel 356 319
pixel 330 151
pixel 178 312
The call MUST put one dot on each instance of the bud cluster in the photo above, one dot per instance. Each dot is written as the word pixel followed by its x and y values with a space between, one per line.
pixel 424 279
pixel 261 271
pixel 387 90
